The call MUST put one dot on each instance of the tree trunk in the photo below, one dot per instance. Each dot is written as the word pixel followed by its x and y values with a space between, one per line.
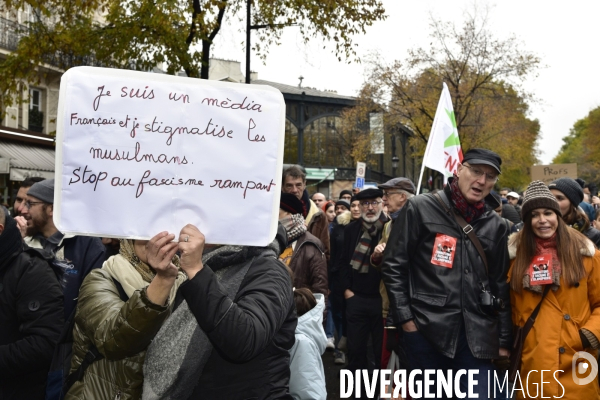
pixel 206 43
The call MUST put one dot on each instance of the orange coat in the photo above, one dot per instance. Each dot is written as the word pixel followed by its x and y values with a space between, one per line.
pixel 554 338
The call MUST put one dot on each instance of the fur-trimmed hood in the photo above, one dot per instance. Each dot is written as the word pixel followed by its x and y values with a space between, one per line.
pixel 344 218
pixel 513 239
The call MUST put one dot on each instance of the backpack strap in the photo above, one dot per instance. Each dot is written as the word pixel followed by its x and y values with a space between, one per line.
pixel 92 354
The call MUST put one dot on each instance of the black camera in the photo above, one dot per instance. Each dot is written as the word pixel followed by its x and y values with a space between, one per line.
pixel 489 302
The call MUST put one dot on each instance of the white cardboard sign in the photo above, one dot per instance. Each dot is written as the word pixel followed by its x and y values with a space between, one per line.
pixel 139 153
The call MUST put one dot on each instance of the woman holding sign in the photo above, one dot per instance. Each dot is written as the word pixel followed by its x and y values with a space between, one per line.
pixel 121 307
pixel 558 269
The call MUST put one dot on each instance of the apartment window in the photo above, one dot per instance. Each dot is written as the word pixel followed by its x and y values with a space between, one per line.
pixel 36 115
pixel 35 99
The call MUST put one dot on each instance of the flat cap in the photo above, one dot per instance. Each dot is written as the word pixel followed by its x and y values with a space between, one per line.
pixel 483 156
pixel 399 183
pixel 369 193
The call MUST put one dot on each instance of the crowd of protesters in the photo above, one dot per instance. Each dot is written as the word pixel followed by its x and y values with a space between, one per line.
pixel 382 277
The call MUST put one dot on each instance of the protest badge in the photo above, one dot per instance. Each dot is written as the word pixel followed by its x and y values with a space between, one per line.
pixel 444 249
pixel 540 270
pixel 140 153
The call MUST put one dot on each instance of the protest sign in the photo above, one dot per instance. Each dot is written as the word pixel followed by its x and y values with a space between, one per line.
pixel 140 153
pixel 549 173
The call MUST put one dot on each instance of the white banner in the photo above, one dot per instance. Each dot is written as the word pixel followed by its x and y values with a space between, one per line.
pixel 140 153
pixel 443 152
pixel 377 138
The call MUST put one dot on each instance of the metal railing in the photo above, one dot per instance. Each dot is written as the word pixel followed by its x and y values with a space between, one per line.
pixel 11 33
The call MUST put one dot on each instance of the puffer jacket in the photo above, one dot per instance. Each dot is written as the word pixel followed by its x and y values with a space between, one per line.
pixel 31 318
pixel 554 338
pixel 440 300
pixel 121 331
pixel 251 334
pixel 307 377
pixel 309 264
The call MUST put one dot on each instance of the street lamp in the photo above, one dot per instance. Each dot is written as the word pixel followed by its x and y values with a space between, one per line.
pixel 249 28
pixel 395 161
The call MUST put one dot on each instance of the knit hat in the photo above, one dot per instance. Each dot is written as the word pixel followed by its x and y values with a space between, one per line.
pixel 570 188
pixel 346 191
pixel 43 190
pixel 291 203
pixel 538 195
pixel 344 203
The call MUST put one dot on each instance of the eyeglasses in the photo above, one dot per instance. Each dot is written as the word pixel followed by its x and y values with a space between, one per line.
pixel 373 203
pixel 387 194
pixel 28 204
pixel 477 173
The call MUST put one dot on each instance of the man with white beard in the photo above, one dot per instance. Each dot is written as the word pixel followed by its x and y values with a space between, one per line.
pixel 360 281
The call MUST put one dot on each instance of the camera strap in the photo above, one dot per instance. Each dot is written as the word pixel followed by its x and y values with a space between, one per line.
pixel 467 229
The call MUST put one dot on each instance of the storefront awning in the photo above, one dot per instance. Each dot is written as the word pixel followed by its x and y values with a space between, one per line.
pixel 320 174
pixel 26 160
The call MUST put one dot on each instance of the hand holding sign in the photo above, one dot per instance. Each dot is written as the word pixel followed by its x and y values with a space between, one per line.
pixel 191 246
pixel 160 251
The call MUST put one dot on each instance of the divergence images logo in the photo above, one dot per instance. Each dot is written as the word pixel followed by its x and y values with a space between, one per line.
pixel 582 368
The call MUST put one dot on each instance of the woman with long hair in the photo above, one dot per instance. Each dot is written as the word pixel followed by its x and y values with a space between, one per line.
pixel 329 210
pixel 569 195
pixel 558 268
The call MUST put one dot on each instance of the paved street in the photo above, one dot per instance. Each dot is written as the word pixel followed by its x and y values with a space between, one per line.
pixel 332 375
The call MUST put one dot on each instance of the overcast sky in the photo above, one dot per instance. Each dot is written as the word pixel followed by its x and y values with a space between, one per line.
pixel 564 37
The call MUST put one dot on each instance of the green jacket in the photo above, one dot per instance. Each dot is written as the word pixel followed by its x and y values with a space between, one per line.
pixel 120 331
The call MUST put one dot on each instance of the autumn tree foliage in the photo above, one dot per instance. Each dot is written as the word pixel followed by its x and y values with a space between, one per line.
pixel 141 34
pixel 484 76
pixel 581 146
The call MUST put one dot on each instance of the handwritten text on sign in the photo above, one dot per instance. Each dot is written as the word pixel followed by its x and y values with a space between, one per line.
pixel 549 173
pixel 139 153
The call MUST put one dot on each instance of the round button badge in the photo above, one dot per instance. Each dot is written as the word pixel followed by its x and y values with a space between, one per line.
pixel 34 305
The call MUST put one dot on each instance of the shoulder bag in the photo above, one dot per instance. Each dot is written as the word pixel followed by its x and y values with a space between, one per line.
pixel 519 339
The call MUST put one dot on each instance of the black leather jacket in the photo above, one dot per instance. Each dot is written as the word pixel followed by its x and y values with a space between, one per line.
pixel 439 299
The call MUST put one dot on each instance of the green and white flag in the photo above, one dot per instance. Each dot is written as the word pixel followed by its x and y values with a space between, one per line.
pixel 443 152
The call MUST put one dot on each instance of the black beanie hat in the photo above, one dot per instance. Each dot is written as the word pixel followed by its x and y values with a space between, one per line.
pixel 291 203
pixel 570 188
pixel 538 195
pixel 343 203
pixel 346 191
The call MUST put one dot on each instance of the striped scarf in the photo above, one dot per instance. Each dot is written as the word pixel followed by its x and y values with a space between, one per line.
pixel 361 257
pixel 294 226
